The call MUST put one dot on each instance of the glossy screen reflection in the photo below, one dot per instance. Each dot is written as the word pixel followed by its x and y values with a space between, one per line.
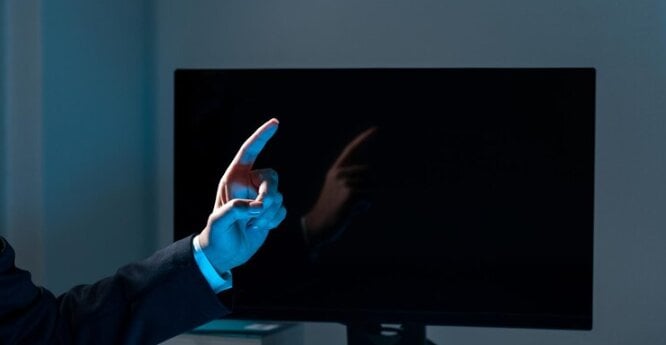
pixel 447 196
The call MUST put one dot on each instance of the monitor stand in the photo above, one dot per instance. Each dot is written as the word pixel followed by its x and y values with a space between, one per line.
pixel 377 334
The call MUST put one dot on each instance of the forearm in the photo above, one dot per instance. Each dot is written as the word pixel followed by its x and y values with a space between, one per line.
pixel 28 314
pixel 143 303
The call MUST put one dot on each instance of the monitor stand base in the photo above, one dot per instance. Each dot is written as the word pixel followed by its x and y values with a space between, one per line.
pixel 376 334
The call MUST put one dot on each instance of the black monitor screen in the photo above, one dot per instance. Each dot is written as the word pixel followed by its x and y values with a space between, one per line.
pixel 441 196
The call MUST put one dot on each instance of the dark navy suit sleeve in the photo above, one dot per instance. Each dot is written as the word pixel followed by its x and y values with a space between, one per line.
pixel 145 302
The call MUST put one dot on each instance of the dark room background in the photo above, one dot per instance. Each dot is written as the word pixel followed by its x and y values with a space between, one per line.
pixel 86 110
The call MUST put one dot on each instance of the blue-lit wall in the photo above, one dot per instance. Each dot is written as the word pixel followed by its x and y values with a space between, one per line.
pixel 3 173
pixel 624 40
pixel 77 136
pixel 97 138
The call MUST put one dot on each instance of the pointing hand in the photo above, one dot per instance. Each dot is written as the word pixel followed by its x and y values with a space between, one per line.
pixel 246 207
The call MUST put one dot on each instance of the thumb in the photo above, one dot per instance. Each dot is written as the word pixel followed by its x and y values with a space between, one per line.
pixel 235 210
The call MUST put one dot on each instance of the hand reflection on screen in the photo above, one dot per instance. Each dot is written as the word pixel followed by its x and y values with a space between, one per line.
pixel 343 195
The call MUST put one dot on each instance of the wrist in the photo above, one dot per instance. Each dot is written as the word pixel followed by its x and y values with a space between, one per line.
pixel 211 256
pixel 218 280
pixel 202 238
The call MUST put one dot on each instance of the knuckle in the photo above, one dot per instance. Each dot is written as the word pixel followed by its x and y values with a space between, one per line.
pixel 278 199
pixel 270 175
pixel 282 217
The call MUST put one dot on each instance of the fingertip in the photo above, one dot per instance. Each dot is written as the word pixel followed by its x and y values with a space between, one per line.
pixel 266 132
pixel 272 124
pixel 271 128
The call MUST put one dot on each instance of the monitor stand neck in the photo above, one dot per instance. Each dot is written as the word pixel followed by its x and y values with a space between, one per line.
pixel 376 334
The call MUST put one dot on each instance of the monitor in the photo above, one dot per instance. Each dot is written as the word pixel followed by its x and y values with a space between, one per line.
pixel 415 195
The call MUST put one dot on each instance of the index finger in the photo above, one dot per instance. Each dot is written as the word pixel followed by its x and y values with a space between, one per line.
pixel 254 144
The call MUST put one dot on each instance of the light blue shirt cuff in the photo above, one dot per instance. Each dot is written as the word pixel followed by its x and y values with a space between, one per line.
pixel 216 281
